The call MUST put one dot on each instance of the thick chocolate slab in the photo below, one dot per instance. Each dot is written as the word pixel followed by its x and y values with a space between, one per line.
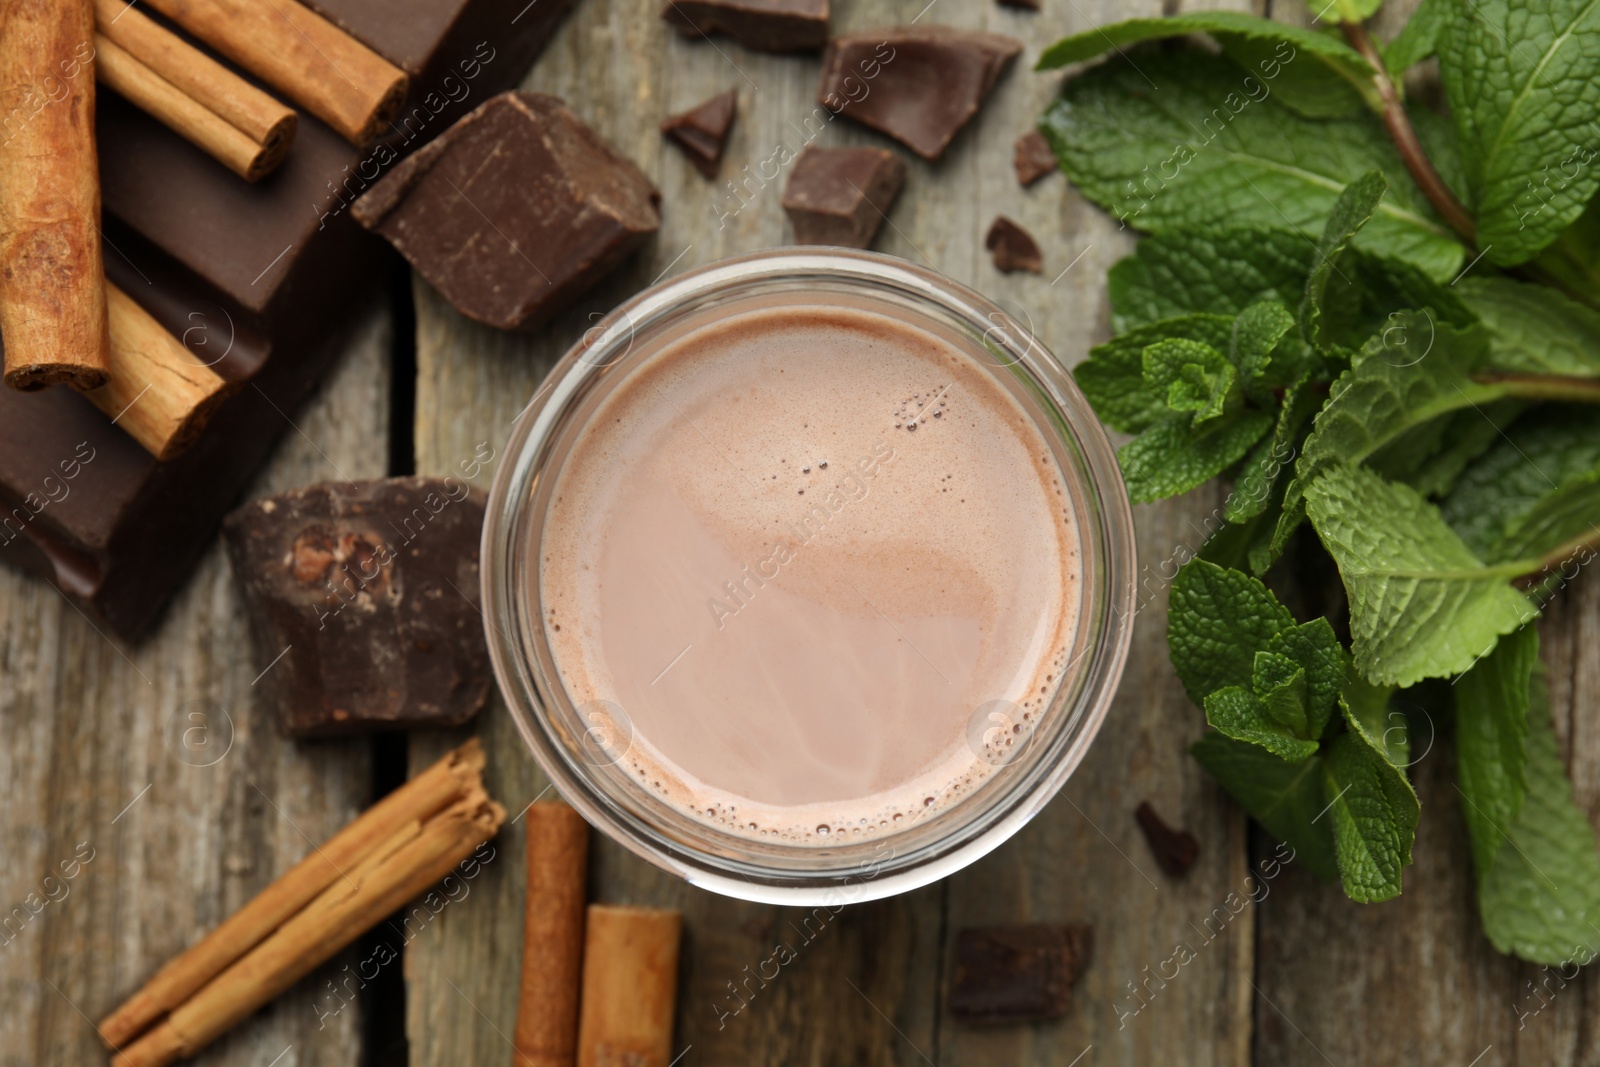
pixel 763 25
pixel 918 84
pixel 1008 974
pixel 840 196
pixel 270 272
pixel 515 211
pixel 364 596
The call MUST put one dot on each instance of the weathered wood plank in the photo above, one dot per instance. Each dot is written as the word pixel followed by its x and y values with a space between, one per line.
pixel 472 382
pixel 181 833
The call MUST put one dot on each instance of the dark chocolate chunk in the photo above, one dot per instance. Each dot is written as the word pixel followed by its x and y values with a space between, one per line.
pixel 702 131
pixel 1013 247
pixel 840 196
pixel 1021 5
pixel 368 591
pixel 918 84
pixel 1008 974
pixel 261 281
pixel 515 211
pixel 1032 157
pixel 764 25
pixel 1175 850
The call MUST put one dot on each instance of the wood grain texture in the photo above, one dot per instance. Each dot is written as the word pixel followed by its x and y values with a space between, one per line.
pixel 868 986
pixel 95 753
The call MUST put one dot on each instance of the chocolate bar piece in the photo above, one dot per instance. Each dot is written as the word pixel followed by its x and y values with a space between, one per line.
pixel 1007 974
pixel 259 280
pixel 702 131
pixel 918 84
pixel 515 211
pixel 1032 158
pixel 1021 5
pixel 762 25
pixel 1175 850
pixel 840 196
pixel 1013 247
pixel 363 597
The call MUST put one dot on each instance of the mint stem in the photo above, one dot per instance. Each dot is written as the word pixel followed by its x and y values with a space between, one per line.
pixel 1405 139
pixel 1545 387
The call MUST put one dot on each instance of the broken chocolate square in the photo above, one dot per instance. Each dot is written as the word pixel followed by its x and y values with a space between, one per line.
pixel 1021 5
pixel 918 84
pixel 702 131
pixel 1008 974
pixel 1032 157
pixel 515 211
pixel 1175 850
pixel 762 25
pixel 1013 247
pixel 363 603
pixel 840 196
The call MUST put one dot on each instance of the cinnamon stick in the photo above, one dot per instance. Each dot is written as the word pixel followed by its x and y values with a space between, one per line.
pixel 205 102
pixel 414 858
pixel 157 391
pixel 301 54
pixel 52 302
pixel 457 775
pixel 630 985
pixel 552 937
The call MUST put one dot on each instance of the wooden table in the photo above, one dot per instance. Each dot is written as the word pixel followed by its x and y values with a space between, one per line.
pixel 101 744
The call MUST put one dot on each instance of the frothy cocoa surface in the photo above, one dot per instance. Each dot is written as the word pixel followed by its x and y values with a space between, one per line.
pixel 801 547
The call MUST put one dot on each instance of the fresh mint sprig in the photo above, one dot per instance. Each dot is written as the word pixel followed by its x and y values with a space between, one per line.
pixel 1382 326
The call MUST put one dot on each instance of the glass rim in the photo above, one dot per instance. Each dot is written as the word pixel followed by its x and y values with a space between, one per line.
pixel 729 864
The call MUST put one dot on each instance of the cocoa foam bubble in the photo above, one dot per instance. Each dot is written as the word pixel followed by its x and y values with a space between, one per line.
pixel 803 547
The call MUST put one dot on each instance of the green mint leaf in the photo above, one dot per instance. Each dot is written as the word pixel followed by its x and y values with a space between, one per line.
pixel 1227 27
pixel 1540 899
pixel 1420 37
pixel 1196 378
pixel 1524 85
pixel 1347 10
pixel 1534 329
pixel 1113 376
pixel 1202 153
pixel 1352 211
pixel 1285 798
pixel 1417 370
pixel 1430 457
pixel 1256 333
pixel 1491 741
pixel 1177 455
pixel 1254 490
pixel 1280 683
pixel 1316 649
pixel 1533 490
pixel 1237 713
pixel 1421 604
pixel 1217 620
pixel 1374 813
pixel 1221 272
pixel 1366 711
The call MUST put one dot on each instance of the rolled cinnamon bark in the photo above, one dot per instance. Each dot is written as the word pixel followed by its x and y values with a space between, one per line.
pixel 409 861
pixel 457 775
pixel 630 986
pixel 157 391
pixel 205 102
pixel 552 937
pixel 302 55
pixel 52 296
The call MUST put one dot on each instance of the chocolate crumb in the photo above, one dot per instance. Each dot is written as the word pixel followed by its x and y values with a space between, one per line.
pixel 1013 247
pixel 1175 850
pixel 1032 157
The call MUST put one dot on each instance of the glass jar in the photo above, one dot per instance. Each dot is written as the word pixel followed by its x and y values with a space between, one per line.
pixel 579 747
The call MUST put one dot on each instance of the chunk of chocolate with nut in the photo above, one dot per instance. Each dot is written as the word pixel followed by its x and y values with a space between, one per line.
pixel 363 604
pixel 515 211
pixel 762 25
pixel 702 131
pixel 918 84
pixel 840 196
pixel 1013 974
